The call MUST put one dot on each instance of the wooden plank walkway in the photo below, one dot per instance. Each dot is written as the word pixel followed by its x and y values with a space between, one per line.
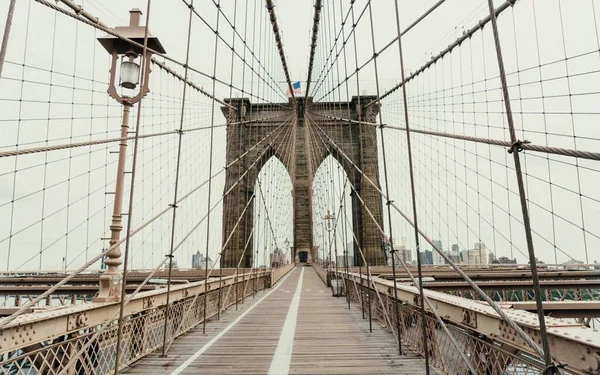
pixel 320 336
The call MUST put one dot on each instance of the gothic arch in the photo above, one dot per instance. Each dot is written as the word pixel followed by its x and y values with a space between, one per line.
pixel 352 143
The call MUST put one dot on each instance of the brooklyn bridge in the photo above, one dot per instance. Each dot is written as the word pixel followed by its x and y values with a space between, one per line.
pixel 299 187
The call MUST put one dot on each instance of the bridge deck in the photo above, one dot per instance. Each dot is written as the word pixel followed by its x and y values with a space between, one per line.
pixel 296 328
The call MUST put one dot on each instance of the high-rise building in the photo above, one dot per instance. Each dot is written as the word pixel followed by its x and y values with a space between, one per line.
pixel 199 261
pixel 478 255
pixel 426 257
pixel 405 254
pixel 437 257
pixel 454 255
pixel 482 252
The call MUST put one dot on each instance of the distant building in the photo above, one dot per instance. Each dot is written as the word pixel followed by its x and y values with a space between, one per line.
pixel 405 254
pixel 199 261
pixel 478 255
pixel 502 260
pixel 454 255
pixel 103 264
pixel 437 257
pixel 426 257
pixel 277 258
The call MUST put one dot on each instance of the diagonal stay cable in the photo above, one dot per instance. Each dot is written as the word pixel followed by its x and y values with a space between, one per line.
pixel 449 261
pixel 5 321
pixel 421 292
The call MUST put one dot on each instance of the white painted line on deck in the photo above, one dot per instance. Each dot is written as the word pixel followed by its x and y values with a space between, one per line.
pixel 206 346
pixel 280 365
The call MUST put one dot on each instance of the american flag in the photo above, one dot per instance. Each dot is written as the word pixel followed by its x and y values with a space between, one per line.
pixel 296 87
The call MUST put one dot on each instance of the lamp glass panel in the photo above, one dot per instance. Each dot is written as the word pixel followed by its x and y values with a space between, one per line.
pixel 130 73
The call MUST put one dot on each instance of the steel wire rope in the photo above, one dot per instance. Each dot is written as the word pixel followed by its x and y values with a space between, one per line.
pixel 546 355
pixel 5 321
pixel 467 34
pixel 385 173
pixel 165 259
pixel 389 44
pixel 94 22
pixel 424 296
pixel 449 261
pixel 236 33
pixel 359 246
pixel 495 142
pixel 350 34
pixel 229 47
pixel 177 167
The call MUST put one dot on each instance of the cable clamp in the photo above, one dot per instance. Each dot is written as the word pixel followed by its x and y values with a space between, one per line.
pixel 179 131
pixel 169 256
pixel 389 202
pixel 518 145
pixel 173 205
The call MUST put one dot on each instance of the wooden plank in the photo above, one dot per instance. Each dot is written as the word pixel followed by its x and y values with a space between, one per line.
pixel 329 339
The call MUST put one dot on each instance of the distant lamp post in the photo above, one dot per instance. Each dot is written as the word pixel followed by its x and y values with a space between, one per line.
pixel 329 218
pixel 287 246
pixel 129 78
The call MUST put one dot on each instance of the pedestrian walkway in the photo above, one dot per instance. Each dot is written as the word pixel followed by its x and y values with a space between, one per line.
pixel 296 327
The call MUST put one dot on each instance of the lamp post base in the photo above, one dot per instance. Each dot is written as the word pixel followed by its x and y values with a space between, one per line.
pixel 110 288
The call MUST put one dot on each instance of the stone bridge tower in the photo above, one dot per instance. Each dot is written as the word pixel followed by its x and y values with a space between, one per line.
pixel 296 137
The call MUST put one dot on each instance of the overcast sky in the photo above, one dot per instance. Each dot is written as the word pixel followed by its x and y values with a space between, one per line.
pixel 56 204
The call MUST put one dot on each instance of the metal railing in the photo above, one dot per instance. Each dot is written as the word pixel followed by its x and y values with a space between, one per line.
pixel 483 338
pixel 92 350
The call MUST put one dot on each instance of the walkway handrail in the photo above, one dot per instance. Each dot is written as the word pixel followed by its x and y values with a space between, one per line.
pixel 57 322
pixel 278 273
pixel 571 343
pixel 321 272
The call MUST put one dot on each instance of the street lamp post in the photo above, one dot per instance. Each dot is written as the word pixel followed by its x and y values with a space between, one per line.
pixel 328 219
pixel 287 246
pixel 129 76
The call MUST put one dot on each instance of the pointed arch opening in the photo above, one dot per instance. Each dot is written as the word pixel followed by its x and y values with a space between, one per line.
pixel 334 239
pixel 272 229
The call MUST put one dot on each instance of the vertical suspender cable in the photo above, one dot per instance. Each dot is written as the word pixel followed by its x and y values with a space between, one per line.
pixel 515 149
pixel 210 162
pixel 387 191
pixel 177 167
pixel 414 199
pixel 7 27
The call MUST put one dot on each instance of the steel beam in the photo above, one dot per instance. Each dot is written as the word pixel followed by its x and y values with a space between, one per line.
pixel 560 309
